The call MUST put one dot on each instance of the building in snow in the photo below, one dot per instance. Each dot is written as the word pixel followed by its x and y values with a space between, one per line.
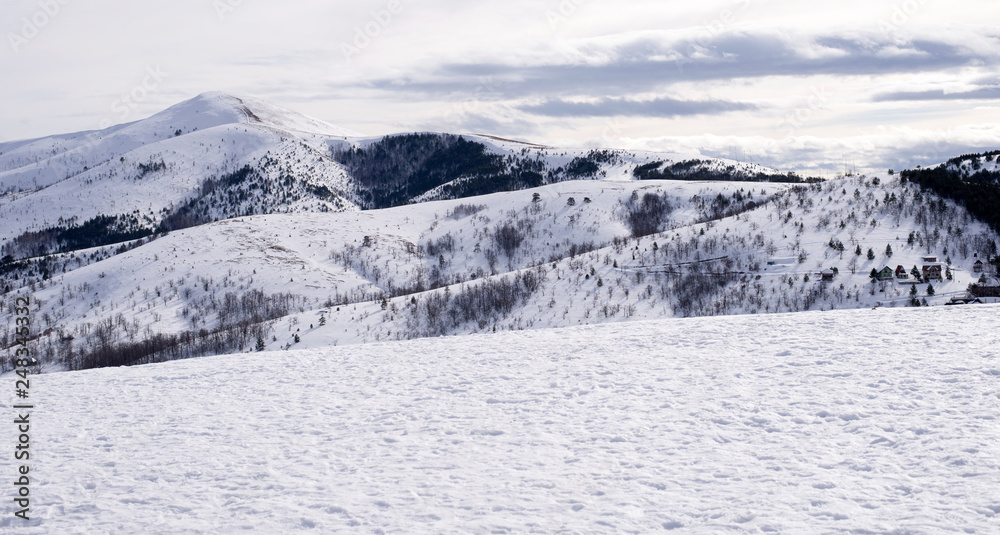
pixel 932 272
pixel 931 268
pixel 984 291
pixel 901 272
pixel 977 267
pixel 886 274
pixel 969 300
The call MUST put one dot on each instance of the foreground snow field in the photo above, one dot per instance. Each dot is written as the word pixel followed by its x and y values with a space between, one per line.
pixel 870 421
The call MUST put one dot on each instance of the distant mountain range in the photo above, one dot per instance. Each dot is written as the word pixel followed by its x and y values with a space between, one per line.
pixel 225 224
pixel 219 156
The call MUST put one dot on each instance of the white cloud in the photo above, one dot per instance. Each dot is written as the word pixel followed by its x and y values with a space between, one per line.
pixel 770 55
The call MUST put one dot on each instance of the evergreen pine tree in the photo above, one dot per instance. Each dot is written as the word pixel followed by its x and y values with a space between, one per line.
pixel 871 254
pixel 930 289
pixel 858 250
pixel 888 250
pixel 260 344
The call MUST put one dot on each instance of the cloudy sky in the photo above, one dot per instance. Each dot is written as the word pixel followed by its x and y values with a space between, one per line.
pixel 803 86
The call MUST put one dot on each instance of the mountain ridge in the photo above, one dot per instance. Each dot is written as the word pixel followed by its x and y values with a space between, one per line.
pixel 140 172
pixel 240 234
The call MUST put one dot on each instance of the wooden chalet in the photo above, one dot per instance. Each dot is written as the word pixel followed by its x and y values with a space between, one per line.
pixel 932 272
pixel 978 266
pixel 901 273
pixel 886 274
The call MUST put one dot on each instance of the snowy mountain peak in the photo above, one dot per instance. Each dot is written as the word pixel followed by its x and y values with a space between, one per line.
pixel 204 111
pixel 215 108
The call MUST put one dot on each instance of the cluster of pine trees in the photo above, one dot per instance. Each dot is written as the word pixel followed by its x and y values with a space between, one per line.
pixel 95 232
pixel 978 192
pixel 703 170
pixel 398 169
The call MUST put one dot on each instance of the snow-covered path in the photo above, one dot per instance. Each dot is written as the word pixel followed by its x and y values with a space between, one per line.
pixel 884 421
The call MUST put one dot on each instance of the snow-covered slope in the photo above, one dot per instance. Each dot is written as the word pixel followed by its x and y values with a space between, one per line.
pixel 175 283
pixel 979 166
pixel 144 169
pixel 41 162
pixel 225 223
pixel 837 422
pixel 139 174
pixel 508 262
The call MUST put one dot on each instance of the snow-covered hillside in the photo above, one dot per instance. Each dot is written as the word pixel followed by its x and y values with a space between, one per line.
pixel 143 170
pixel 218 156
pixel 225 223
pixel 881 421
pixel 572 253
pixel 179 282
pixel 979 166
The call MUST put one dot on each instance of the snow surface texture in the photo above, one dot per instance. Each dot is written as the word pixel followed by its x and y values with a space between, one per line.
pixel 871 421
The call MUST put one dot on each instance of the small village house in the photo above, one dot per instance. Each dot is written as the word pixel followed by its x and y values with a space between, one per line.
pixel 901 272
pixel 931 268
pixel 932 272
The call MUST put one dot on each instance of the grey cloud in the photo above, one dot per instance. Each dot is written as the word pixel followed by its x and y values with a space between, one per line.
pixel 926 153
pixel 482 124
pixel 984 93
pixel 640 65
pixel 609 107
